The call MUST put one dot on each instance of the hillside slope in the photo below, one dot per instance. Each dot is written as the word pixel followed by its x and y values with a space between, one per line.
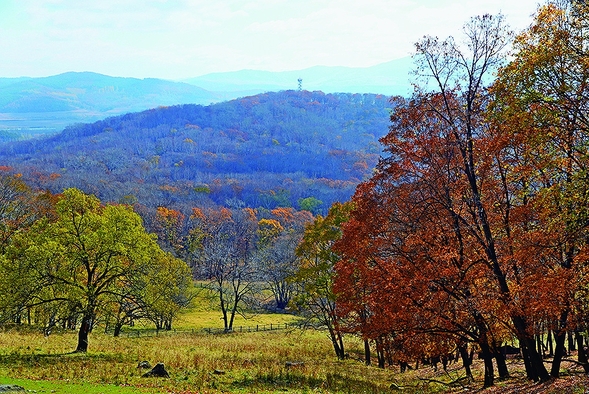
pixel 267 150
pixel 30 106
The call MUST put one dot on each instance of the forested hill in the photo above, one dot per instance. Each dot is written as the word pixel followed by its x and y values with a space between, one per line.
pixel 269 150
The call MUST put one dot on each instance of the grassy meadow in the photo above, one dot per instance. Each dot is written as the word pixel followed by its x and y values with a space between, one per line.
pixel 247 362
pixel 240 363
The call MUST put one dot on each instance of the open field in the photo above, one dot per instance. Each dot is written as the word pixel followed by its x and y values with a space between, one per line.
pixel 247 362
pixel 252 362
pixel 236 363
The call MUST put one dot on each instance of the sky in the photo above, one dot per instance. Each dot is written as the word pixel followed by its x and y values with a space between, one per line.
pixel 178 39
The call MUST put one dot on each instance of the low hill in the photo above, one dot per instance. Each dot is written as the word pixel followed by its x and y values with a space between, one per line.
pixel 268 150
pixel 31 106
pixel 95 92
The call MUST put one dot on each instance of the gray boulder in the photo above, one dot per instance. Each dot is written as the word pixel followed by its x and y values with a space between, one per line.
pixel 11 388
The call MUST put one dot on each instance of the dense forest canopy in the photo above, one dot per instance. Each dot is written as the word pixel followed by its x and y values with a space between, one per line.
pixel 269 150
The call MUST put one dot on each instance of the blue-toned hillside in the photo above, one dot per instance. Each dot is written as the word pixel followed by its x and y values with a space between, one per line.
pixel 267 150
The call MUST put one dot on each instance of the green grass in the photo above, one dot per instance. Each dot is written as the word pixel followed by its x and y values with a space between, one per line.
pixel 58 386
pixel 252 362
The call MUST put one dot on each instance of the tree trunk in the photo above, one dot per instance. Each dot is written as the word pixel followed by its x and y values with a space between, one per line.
pixel 83 334
pixel 535 369
pixel 224 311
pixel 367 352
pixel 380 353
pixel 571 342
pixel 118 327
pixel 539 345
pixel 501 365
pixel 466 360
pixel 338 345
pixel 233 312
pixel 581 355
pixel 488 361
pixel 560 350
pixel 550 345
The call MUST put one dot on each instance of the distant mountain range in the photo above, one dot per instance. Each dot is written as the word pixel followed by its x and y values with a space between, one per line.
pixel 34 106
pixel 391 78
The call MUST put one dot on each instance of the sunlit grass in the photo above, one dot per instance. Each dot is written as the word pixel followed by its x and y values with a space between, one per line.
pixel 239 362
pixel 253 362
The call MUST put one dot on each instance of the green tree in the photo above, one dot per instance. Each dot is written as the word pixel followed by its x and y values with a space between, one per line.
pixel 144 297
pixel 82 258
pixel 316 273
pixel 162 305
pixel 310 204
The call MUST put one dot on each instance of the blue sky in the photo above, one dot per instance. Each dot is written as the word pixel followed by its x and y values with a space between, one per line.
pixel 176 39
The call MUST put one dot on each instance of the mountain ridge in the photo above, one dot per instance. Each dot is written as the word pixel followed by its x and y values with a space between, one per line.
pixel 46 105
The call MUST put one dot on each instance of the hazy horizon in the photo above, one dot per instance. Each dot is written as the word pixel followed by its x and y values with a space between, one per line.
pixel 185 39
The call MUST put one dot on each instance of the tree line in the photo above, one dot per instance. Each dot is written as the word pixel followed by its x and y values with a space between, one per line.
pixel 472 232
pixel 69 261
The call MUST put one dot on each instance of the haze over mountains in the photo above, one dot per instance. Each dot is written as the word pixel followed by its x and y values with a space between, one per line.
pixel 33 106
pixel 390 78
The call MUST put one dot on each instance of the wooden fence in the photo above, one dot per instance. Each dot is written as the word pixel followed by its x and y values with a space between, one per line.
pixel 217 331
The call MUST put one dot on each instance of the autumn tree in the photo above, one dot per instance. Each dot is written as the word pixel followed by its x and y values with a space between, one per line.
pixel 279 236
pixel 454 199
pixel 141 295
pixel 541 99
pixel 222 245
pixel 169 226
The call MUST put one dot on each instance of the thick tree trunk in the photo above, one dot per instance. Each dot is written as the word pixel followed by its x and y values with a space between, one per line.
pixel 501 365
pixel 560 350
pixel 83 334
pixel 118 327
pixel 366 352
pixel 488 361
pixel 535 369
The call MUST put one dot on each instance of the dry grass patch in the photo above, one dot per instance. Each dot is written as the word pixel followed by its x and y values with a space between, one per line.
pixel 238 363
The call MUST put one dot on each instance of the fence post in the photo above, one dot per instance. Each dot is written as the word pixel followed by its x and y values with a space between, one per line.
pixel 270 326
pixel 257 326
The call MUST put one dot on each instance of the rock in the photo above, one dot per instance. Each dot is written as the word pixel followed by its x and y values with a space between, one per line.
pixel 158 372
pixel 11 388
pixel 144 365
pixel 294 364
